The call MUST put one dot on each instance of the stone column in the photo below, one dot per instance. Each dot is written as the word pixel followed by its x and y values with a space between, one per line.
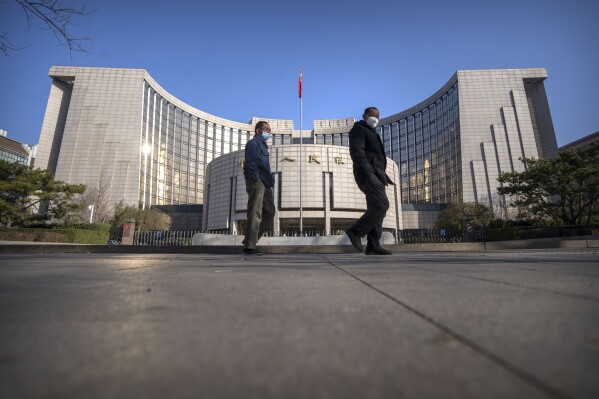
pixel 327 202
pixel 277 221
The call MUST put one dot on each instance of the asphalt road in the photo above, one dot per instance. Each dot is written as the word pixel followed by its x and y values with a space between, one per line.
pixel 505 324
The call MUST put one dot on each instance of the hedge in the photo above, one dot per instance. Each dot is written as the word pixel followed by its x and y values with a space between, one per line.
pixel 35 235
pixel 77 236
pixel 556 231
pixel 91 226
pixel 502 234
pixel 529 232
pixel 73 236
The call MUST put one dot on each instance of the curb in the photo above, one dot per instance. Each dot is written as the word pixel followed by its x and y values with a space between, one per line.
pixel 584 242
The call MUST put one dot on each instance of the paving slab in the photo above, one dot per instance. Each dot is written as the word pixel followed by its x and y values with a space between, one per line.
pixel 494 324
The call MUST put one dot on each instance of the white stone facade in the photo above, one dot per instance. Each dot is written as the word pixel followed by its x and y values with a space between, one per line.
pixel 502 125
pixel 120 126
pixel 331 200
pixel 92 128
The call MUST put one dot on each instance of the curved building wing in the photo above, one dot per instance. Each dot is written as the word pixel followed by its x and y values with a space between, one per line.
pixel 453 146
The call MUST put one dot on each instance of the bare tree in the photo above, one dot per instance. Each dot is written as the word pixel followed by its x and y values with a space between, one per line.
pixel 145 219
pixel 6 46
pixel 497 204
pixel 99 196
pixel 57 17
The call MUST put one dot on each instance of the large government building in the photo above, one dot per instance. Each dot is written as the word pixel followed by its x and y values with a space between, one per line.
pixel 120 126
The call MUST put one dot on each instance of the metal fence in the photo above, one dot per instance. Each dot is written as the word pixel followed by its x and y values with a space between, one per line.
pixel 421 236
pixel 184 238
pixel 168 238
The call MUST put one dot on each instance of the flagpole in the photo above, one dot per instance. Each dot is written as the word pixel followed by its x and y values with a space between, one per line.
pixel 301 226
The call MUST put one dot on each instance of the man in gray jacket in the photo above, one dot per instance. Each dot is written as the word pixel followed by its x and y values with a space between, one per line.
pixel 258 184
pixel 368 156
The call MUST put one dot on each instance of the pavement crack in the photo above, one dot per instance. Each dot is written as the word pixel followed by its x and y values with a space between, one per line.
pixel 577 296
pixel 496 359
pixel 132 268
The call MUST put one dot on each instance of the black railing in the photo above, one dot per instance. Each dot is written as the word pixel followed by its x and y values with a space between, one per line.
pixel 420 236
pixel 166 238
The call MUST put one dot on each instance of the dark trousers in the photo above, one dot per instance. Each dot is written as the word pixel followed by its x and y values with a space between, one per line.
pixel 260 212
pixel 377 204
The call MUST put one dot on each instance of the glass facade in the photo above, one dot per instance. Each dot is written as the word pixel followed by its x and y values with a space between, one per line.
pixel 11 157
pixel 341 139
pixel 426 147
pixel 176 147
pixel 278 139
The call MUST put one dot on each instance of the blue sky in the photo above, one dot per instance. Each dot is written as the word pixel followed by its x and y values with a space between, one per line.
pixel 238 59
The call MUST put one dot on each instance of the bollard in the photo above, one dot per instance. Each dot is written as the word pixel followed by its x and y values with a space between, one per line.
pixel 128 233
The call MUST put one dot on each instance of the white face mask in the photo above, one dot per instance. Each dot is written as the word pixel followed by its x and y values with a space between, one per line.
pixel 265 135
pixel 372 121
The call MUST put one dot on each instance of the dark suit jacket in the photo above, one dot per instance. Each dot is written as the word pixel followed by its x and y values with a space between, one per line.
pixel 367 153
pixel 257 165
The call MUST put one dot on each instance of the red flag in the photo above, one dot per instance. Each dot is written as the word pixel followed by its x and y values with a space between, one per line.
pixel 299 84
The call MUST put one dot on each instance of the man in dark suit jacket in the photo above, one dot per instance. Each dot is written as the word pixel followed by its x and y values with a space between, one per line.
pixel 368 156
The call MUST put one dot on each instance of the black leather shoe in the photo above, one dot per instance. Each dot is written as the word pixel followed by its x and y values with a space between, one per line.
pixel 377 251
pixel 248 251
pixel 355 239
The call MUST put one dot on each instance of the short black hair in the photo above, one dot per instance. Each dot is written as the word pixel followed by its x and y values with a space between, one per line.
pixel 259 126
pixel 369 109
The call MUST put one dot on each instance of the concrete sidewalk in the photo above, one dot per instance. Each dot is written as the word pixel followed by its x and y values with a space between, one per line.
pixel 494 324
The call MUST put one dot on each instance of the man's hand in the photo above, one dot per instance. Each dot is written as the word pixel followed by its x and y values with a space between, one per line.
pixel 375 181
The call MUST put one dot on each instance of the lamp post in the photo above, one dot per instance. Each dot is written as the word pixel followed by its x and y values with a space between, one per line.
pixel 91 215
pixel 468 228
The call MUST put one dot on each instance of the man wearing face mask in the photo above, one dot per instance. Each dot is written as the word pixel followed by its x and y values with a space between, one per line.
pixel 259 182
pixel 368 156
